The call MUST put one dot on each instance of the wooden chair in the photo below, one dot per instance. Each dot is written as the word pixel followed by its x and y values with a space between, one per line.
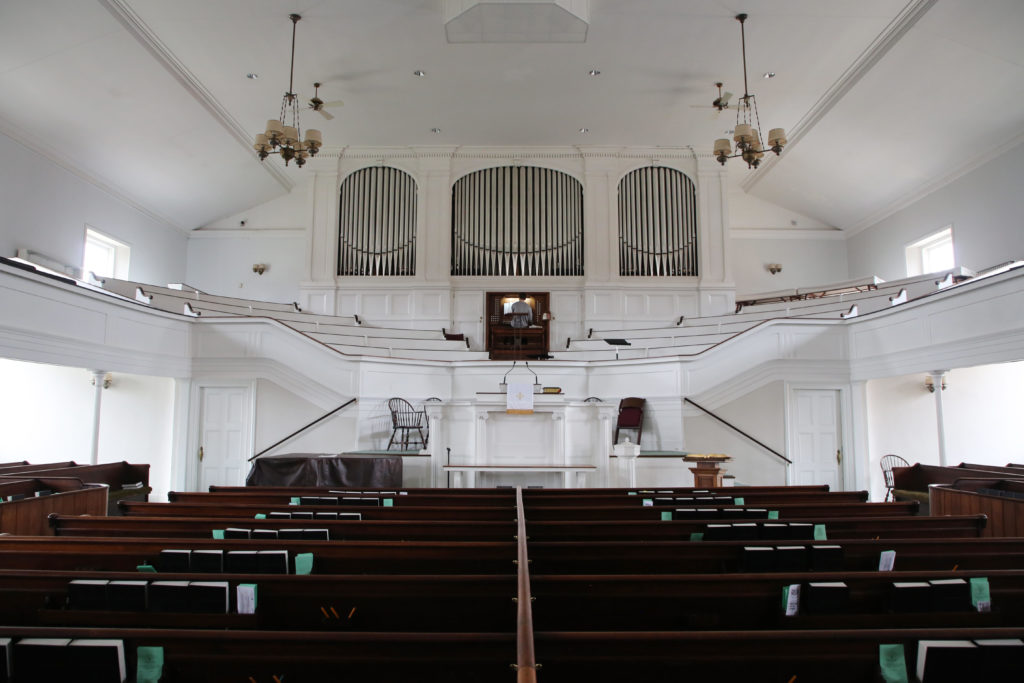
pixel 888 462
pixel 405 419
pixel 631 416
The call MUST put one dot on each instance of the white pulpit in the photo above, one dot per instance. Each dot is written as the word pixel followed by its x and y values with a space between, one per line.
pixel 563 443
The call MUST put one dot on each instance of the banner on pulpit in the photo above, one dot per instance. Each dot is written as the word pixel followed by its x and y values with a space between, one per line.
pixel 519 399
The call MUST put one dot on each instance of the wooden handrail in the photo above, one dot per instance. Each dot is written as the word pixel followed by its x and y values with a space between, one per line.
pixel 526 665
pixel 740 431
pixel 302 429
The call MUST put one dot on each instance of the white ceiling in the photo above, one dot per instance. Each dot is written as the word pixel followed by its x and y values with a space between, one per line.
pixel 150 97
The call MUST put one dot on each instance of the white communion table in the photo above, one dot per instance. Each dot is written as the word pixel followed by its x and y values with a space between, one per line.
pixel 563 443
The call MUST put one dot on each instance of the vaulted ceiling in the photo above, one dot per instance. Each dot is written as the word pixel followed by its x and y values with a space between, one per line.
pixel 883 99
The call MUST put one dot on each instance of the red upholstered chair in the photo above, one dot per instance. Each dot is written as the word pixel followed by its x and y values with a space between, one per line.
pixel 631 416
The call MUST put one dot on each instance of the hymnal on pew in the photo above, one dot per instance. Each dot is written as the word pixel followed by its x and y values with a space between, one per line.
pixel 947 661
pixel 790 558
pixel 950 595
pixel 911 596
pixel 168 596
pixel 238 533
pixel 87 594
pixel 174 560
pixel 6 650
pixel 128 596
pixel 825 597
pixel 209 597
pixel 272 561
pixel 98 660
pixel 207 561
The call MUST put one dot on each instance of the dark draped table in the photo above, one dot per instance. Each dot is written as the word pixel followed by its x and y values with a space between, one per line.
pixel 347 470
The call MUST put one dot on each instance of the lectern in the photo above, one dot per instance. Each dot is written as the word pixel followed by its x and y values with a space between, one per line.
pixel 707 474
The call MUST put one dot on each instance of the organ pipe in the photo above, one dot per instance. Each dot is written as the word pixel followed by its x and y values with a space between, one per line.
pixel 377 223
pixel 657 223
pixel 515 221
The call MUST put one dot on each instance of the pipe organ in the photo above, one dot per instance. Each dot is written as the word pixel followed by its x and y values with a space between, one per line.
pixel 517 221
pixel 657 223
pixel 377 223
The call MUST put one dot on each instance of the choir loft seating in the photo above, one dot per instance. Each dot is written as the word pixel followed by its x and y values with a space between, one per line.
pixel 258 583
pixel 836 303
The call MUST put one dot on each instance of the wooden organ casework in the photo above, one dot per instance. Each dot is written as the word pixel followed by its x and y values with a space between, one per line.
pixel 505 342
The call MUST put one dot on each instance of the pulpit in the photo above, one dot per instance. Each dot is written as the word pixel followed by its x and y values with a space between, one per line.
pixel 707 474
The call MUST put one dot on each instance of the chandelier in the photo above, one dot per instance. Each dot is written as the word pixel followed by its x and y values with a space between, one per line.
pixel 284 134
pixel 749 144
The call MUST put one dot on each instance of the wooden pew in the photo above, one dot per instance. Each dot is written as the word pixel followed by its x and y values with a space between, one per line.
pixel 681 557
pixel 202 527
pixel 339 602
pixel 786 510
pixel 449 513
pixel 116 475
pixel 384 557
pixel 67 495
pixel 192 655
pixel 775 656
pixel 1002 500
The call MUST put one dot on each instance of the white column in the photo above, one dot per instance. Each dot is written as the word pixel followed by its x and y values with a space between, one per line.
pixel 859 437
pixel 937 376
pixel 97 402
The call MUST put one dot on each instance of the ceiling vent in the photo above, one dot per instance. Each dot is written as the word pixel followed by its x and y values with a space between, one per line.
pixel 516 21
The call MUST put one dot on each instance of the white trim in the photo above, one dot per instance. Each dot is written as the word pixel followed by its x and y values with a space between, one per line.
pixel 866 61
pixel 138 29
pixel 786 234
pixel 53 156
pixel 925 189
pixel 235 233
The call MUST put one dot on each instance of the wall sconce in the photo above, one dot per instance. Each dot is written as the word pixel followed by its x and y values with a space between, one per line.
pixel 108 380
pixel 259 268
pixel 929 383
pixel 774 268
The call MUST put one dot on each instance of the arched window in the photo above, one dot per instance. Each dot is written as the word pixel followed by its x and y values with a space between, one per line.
pixel 377 223
pixel 517 220
pixel 657 223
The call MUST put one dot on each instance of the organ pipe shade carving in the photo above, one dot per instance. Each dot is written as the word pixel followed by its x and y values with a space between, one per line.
pixel 517 220
pixel 377 223
pixel 657 223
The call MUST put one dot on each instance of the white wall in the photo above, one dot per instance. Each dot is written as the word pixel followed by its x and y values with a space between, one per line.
pixel 46 209
pixel 46 416
pixel 220 262
pixel 984 207
pixel 280 412
pixel 760 414
pixel 981 411
pixel 805 263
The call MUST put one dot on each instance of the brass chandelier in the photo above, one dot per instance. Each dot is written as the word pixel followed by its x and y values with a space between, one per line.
pixel 747 136
pixel 284 134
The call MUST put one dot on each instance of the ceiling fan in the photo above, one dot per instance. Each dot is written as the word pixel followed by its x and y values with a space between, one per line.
pixel 720 103
pixel 319 106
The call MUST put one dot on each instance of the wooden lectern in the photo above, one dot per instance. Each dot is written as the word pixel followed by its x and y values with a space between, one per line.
pixel 707 474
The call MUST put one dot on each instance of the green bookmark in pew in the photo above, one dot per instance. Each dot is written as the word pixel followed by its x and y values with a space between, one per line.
pixel 666 515
pixel 981 597
pixel 218 534
pixel 389 502
pixel 304 563
pixel 773 514
pixel 819 532
pixel 893 662
pixel 150 664
pixel 630 493
pixel 697 536
pixel 738 501
pixel 145 568
pixel 260 515
pixel 295 500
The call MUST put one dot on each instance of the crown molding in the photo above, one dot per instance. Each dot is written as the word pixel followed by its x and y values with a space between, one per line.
pixel 785 234
pixel 933 186
pixel 68 164
pixel 247 233
pixel 878 48
pixel 138 29
pixel 383 154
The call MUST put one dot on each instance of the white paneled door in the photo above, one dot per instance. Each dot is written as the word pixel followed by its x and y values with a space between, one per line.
pixel 224 436
pixel 817 456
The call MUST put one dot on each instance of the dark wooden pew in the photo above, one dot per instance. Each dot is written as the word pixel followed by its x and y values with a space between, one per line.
pixel 681 557
pixel 339 602
pixel 193 655
pixel 384 557
pixel 765 656
pixel 538 513
pixel 27 514
pixel 202 527
pixel 622 602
